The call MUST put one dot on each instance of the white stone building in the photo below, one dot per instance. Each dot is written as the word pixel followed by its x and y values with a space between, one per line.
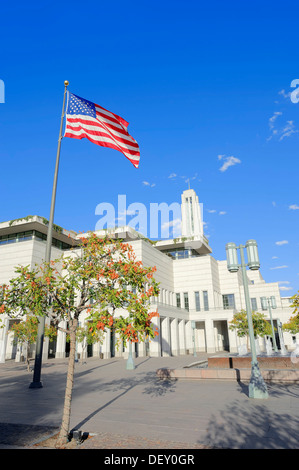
pixel 198 295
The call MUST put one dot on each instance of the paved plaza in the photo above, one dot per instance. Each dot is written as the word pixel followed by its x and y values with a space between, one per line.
pixel 130 409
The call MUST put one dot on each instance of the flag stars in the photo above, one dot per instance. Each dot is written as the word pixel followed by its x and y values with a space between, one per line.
pixel 81 106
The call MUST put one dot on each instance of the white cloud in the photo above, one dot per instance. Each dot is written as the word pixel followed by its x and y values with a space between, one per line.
pixel 294 207
pixel 274 257
pixel 146 183
pixel 228 161
pixel 273 119
pixel 213 211
pixel 280 267
pixel 281 242
pixel 288 130
pixel 284 94
pixel 285 288
pixel 172 223
pixel 187 179
pixel 123 215
pixel 281 132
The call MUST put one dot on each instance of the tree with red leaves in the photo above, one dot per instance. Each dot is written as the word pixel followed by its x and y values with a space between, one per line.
pixel 98 278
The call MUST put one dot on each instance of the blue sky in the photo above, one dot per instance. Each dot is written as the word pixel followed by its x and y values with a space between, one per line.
pixel 196 80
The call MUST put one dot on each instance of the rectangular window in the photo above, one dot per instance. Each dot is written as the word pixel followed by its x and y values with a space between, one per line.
pixel 178 300
pixel 197 301
pixel 186 301
pixel 205 300
pixel 254 304
pixel 264 303
pixel 228 301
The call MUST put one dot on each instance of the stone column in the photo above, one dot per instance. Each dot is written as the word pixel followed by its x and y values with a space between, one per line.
pixel 141 348
pixel 155 343
pixel 189 337
pixel 174 334
pixel 182 337
pixel 232 338
pixel 210 337
pixel 18 352
pixel 96 349
pixel 105 346
pixel 61 341
pixel 3 340
pixel 165 337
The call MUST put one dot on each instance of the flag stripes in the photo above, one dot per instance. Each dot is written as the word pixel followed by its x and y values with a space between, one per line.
pixel 85 119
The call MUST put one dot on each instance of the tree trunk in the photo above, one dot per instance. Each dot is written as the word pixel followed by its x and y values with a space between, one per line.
pixel 65 425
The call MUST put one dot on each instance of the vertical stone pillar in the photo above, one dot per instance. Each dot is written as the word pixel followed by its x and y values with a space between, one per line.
pixel 182 337
pixel 232 339
pixel 105 346
pixel 141 348
pixel 18 352
pixel 3 340
pixel 189 337
pixel 60 342
pixel 210 336
pixel 155 343
pixel 174 337
pixel 165 337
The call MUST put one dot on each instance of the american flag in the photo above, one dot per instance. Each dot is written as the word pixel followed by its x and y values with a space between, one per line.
pixel 87 119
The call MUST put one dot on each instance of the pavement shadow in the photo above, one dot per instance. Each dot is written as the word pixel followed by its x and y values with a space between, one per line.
pixel 152 386
pixel 253 427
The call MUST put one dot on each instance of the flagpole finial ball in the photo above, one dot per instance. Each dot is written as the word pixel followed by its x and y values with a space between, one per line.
pixel 66 83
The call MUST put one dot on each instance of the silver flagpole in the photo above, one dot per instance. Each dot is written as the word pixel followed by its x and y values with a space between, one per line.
pixel 36 383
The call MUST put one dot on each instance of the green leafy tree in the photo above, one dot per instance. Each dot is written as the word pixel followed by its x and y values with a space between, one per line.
pixel 25 334
pixel 239 323
pixel 292 326
pixel 100 277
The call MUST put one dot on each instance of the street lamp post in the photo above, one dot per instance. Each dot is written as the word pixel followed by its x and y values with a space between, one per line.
pixel 267 303
pixel 257 386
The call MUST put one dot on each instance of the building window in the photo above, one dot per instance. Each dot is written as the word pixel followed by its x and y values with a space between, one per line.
pixel 228 301
pixel 29 235
pixel 205 300
pixel 197 301
pixel 181 253
pixel 186 301
pixel 254 304
pixel 178 300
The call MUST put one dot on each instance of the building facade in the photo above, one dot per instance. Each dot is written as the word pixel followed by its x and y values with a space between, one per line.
pixel 198 295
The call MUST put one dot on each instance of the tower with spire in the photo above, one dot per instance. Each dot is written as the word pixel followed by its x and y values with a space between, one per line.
pixel 192 225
